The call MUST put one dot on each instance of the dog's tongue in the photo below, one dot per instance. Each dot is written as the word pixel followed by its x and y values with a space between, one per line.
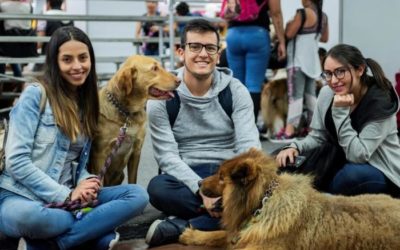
pixel 159 93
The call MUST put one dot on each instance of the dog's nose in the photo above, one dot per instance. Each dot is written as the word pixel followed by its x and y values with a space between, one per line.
pixel 177 82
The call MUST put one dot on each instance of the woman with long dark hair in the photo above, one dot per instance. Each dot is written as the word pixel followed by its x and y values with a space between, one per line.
pixel 308 27
pixel 355 121
pixel 46 156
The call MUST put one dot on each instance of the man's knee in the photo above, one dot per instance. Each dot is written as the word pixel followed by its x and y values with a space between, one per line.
pixel 158 188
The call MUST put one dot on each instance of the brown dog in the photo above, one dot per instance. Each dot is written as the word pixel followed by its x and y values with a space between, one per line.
pixel 264 210
pixel 122 101
pixel 274 105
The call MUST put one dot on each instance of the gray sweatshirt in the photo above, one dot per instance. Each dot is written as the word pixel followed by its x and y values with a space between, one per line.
pixel 202 132
pixel 377 143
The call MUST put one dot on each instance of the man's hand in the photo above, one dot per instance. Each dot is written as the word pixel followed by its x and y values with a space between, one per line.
pixel 343 100
pixel 209 205
pixel 86 190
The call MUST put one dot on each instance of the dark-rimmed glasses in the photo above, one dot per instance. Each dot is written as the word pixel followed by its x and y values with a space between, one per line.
pixel 211 49
pixel 339 73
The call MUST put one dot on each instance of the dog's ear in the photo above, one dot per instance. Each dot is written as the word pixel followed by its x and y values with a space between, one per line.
pixel 126 79
pixel 243 173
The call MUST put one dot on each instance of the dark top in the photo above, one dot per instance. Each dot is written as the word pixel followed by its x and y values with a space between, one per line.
pixel 262 19
pixel 146 30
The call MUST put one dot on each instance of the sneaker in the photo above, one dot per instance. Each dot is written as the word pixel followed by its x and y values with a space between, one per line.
pixel 29 244
pixel 108 241
pixel 282 137
pixel 165 231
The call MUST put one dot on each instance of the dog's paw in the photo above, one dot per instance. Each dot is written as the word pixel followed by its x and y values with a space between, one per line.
pixel 188 237
pixel 201 238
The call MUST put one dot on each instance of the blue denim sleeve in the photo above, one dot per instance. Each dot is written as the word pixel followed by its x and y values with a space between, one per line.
pixel 24 121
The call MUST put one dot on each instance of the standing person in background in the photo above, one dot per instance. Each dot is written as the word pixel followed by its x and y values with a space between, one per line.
pixel 353 131
pixel 248 48
pixel 47 153
pixel 183 9
pixel 14 28
pixel 47 28
pixel 303 66
pixel 150 29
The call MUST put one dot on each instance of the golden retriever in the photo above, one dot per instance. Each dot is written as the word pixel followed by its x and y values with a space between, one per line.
pixel 264 210
pixel 122 101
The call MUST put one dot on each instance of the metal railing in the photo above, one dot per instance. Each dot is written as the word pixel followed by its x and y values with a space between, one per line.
pixel 118 60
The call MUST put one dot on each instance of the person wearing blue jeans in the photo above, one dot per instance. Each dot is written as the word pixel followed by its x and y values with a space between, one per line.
pixel 15 68
pixel 248 48
pixel 22 217
pixel 355 120
pixel 202 135
pixel 49 139
pixel 355 179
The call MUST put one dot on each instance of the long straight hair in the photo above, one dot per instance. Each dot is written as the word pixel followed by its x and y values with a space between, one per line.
pixel 75 112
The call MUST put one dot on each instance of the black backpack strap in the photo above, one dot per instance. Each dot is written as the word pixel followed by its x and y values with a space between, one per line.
pixel 303 20
pixel 225 99
pixel 172 106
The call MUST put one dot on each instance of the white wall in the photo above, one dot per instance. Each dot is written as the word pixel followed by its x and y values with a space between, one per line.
pixel 374 27
pixel 330 7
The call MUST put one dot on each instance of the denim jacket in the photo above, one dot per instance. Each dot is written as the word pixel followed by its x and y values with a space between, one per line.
pixel 36 151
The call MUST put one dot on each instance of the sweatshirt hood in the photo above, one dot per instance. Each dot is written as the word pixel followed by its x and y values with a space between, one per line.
pixel 221 79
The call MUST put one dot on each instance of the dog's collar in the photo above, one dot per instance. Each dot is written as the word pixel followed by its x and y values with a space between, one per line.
pixel 111 98
pixel 268 193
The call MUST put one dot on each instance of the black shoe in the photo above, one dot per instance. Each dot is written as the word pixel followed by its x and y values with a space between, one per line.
pixel 165 231
pixel 28 244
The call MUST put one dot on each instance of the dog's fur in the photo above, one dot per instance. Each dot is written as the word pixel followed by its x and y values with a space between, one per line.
pixel 295 216
pixel 274 105
pixel 140 78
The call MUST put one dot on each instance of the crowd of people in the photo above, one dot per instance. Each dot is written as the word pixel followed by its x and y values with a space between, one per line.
pixel 353 121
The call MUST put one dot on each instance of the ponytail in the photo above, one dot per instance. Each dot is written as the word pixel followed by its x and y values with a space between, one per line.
pixel 377 74
pixel 318 4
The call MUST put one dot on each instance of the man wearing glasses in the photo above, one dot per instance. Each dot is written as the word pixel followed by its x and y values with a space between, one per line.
pixel 201 137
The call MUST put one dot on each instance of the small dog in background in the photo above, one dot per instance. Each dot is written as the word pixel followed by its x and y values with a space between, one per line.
pixel 274 102
pixel 274 105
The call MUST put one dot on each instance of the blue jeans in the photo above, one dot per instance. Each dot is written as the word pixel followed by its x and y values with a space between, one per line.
pixel 149 52
pixel 248 51
pixel 173 197
pixel 21 217
pixel 354 179
pixel 15 68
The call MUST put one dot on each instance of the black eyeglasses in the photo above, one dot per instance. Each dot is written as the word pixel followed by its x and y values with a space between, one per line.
pixel 211 49
pixel 339 73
